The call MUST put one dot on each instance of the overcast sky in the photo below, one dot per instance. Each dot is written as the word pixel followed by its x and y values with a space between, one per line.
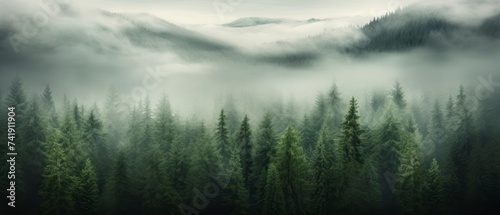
pixel 222 11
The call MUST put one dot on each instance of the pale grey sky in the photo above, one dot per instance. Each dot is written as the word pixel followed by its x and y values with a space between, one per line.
pixel 222 11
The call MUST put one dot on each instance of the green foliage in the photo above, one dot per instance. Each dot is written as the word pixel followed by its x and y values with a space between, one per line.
pixel 222 136
pixel 119 188
pixel 398 96
pixel 87 200
pixel 236 196
pixel 245 147
pixel 265 149
pixel 433 191
pixel 96 146
pixel 164 124
pixel 293 171
pixel 322 176
pixel 274 198
pixel 58 182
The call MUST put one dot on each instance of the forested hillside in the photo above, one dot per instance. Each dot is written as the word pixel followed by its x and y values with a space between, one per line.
pixel 387 156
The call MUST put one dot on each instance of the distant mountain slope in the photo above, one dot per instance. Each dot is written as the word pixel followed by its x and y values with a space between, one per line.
pixel 255 21
pixel 409 28
pixel 103 32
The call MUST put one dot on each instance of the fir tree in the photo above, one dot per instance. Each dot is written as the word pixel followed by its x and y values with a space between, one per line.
pixel 96 145
pixel 322 175
pixel 409 182
pixel 35 136
pixel 398 96
pixel 156 193
pixel 265 149
pixel 308 136
pixel 433 190
pixel 57 183
pixel 245 147
pixel 178 164
pixel 165 129
pixel 236 196
pixel 49 107
pixel 222 137
pixel 87 201
pixel 293 170
pixel 119 189
pixel 274 198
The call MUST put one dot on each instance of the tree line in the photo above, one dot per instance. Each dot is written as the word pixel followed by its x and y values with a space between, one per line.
pixel 388 157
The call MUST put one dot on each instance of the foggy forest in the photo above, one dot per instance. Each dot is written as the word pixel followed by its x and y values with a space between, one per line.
pixel 126 113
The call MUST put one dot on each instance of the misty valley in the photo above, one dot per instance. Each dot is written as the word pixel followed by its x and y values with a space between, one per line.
pixel 125 113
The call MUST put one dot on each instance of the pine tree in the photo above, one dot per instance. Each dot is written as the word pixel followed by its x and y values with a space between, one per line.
pixel 293 170
pixel 236 196
pixel 398 96
pixel 356 172
pixel 146 127
pixel 389 137
pixel 96 146
pixel 265 149
pixel 207 161
pixel 409 183
pixel 87 201
pixel 119 189
pixel 322 175
pixel 165 129
pixel 178 164
pixel 319 113
pixel 351 137
pixel 49 107
pixel 57 182
pixel 222 137
pixel 70 139
pixel 433 192
pixel 35 136
pixel 245 147
pixel 274 198
pixel 114 121
pixel 157 191
pixel 462 137
pixel 436 140
pixel 308 136
pixel 335 108
pixel 17 97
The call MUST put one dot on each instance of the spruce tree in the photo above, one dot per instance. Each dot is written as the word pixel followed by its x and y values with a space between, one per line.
pixel 322 175
pixel 35 136
pixel 96 146
pixel 409 182
pixel 71 141
pixel 274 198
pixel 58 183
pixel 435 142
pixel 433 192
pixel 265 149
pixel 222 137
pixel 389 138
pixel 236 195
pixel 119 188
pixel 245 148
pixel 114 123
pixel 87 201
pixel 462 137
pixel 164 124
pixel 293 170
pixel 49 107
pixel 157 192
pixel 398 96
pixel 178 164
pixel 308 135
